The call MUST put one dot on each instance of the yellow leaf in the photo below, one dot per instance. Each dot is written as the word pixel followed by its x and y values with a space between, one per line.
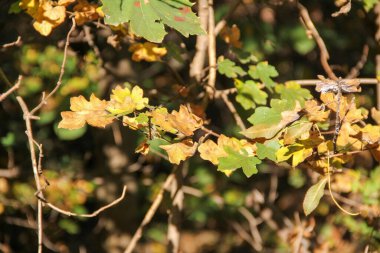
pixel 375 115
pixel 185 121
pixel 371 134
pixel 160 118
pixel 231 35
pixel 178 152
pixel 147 51
pixel 30 6
pixel 93 112
pixel 297 150
pixel 143 148
pixel 347 110
pixel 124 101
pixel 84 12
pixel 315 112
pixel 210 151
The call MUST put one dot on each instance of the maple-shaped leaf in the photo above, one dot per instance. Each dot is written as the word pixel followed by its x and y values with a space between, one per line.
pixel 370 134
pixel 297 130
pixel 92 112
pixel 85 12
pixel 228 68
pixel 211 151
pixel 124 101
pixel 180 151
pixel 345 139
pixel 347 109
pixel 185 121
pixel 148 18
pixel 292 91
pixel 249 94
pixel 147 51
pixel 235 160
pixel 264 72
pixel 375 115
pixel 231 35
pixel 268 149
pixel 344 85
pixel 314 195
pixel 297 151
pixel 268 122
pixel 160 118
pixel 315 112
pixel 138 122
pixel 46 14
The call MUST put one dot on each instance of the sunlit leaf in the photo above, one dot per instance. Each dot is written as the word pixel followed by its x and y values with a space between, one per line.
pixel 178 152
pixel 268 150
pixel 185 121
pixel 263 72
pixel 124 101
pixel 235 160
pixel 292 91
pixel 92 112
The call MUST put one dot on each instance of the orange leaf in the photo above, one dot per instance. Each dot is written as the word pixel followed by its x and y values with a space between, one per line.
pixel 147 52
pixel 84 12
pixel 315 112
pixel 231 36
pixel 178 152
pixel 185 121
pixel 93 112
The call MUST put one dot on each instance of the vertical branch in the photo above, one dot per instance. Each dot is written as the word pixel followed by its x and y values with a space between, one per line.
pixel 174 221
pixel 198 62
pixel 378 81
pixel 211 50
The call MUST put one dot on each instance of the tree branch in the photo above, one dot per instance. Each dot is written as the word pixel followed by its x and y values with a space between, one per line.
pixel 12 89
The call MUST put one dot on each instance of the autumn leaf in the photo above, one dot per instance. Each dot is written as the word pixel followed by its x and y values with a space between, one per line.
pixel 185 121
pixel 315 112
pixel 297 151
pixel 178 152
pixel 92 112
pixel 124 101
pixel 347 110
pixel 160 118
pixel 84 12
pixel 370 134
pixel 211 151
pixel 298 130
pixel 147 51
pixel 47 14
pixel 231 35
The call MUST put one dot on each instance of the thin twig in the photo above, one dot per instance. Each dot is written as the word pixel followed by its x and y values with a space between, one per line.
pixel 29 133
pixel 222 23
pixel 309 25
pixel 257 240
pixel 149 214
pixel 355 71
pixel 14 43
pixel 59 82
pixel 312 82
pixel 210 88
pixel 93 214
pixel 12 89
pixel 232 109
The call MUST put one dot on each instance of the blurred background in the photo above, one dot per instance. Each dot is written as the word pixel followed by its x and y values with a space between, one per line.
pixel 87 168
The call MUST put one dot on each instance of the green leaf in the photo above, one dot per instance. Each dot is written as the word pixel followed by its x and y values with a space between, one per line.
pixel 228 68
pixel 369 4
pixel 250 90
pixel 292 91
pixel 236 160
pixel 8 140
pixel 268 150
pixel 69 135
pixel 148 18
pixel 297 130
pixel 313 196
pixel 264 72
pixel 267 115
pixel 300 41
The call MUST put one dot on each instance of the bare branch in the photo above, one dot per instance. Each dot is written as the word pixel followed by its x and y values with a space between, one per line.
pixel 14 43
pixel 149 214
pixel 355 71
pixel 198 62
pixel 12 89
pixel 211 50
pixel 93 214
pixel 59 82
pixel 309 25
pixel 222 23
pixel 232 109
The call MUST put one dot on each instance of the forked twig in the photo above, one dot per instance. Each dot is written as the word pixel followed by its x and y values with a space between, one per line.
pixel 12 89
